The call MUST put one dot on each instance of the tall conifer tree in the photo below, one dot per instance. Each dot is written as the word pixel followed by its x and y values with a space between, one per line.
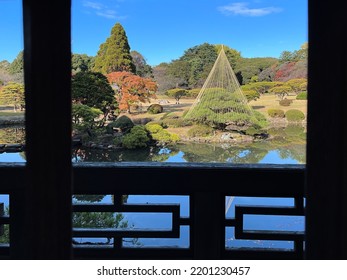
pixel 114 54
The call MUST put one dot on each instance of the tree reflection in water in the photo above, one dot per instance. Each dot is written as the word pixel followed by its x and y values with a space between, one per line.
pixel 12 135
pixel 286 142
pixel 98 220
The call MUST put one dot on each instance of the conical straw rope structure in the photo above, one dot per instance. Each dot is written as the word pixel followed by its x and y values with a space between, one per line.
pixel 220 100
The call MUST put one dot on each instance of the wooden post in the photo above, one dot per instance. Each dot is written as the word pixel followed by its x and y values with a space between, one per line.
pixel 327 132
pixel 47 66
pixel 208 225
pixel 17 225
pixel 1 214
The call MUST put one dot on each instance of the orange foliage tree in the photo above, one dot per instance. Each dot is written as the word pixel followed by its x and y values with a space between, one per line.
pixel 131 89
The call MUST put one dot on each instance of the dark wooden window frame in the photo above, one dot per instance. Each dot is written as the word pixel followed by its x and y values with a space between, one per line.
pixel 40 191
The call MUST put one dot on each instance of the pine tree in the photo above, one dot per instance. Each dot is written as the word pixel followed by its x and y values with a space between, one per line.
pixel 17 64
pixel 221 101
pixel 114 54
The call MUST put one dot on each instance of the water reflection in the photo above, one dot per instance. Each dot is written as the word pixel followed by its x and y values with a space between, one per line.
pixel 285 145
pixel 12 135
pixel 264 152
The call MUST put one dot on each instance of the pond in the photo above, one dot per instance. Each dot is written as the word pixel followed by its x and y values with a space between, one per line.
pixel 286 147
pixel 261 152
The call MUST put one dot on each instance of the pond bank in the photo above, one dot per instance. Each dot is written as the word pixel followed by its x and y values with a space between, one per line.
pixel 12 148
pixel 12 120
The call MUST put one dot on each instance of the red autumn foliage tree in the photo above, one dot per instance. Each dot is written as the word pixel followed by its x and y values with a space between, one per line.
pixel 131 89
pixel 284 71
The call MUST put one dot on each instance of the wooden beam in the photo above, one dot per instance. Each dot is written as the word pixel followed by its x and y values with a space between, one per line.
pixel 47 66
pixel 327 132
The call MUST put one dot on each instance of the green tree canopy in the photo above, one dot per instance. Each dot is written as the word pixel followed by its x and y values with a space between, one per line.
pixel 297 55
pixel 114 54
pixel 297 85
pixel 192 69
pixel 81 63
pixel 281 91
pixel 17 64
pixel 4 65
pixel 246 68
pixel 180 70
pixel 233 55
pixel 176 93
pixel 93 90
pixel 251 94
pixel 163 77
pixel 142 68
pixel 13 94
pixel 261 87
pixel 84 116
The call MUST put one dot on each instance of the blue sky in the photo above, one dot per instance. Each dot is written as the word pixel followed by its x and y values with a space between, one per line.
pixel 162 29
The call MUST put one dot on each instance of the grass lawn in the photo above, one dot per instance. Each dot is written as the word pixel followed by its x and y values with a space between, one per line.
pixel 171 106
pixel 269 101
pixel 263 104
pixel 7 111
pixel 11 114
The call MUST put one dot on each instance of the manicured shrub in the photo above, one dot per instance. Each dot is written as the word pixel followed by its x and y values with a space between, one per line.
pixel 155 109
pixel 285 102
pixel 177 122
pixel 137 138
pixel 251 95
pixel 200 131
pixel 159 134
pixel 165 137
pixel 275 113
pixel 218 107
pixel 161 123
pixel 124 123
pixel 295 115
pixel 153 128
pixel 302 96
pixel 176 93
pixel 84 117
pixel 174 138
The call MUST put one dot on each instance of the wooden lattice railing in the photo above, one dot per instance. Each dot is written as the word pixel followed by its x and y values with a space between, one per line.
pixel 206 185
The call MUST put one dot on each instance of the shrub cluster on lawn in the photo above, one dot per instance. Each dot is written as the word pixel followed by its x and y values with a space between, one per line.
pixel 295 115
pixel 137 138
pixel 155 109
pixel 285 102
pixel 159 134
pixel 275 113
pixel 124 123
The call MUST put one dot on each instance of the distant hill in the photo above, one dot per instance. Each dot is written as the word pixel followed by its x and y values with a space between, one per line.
pixel 193 67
